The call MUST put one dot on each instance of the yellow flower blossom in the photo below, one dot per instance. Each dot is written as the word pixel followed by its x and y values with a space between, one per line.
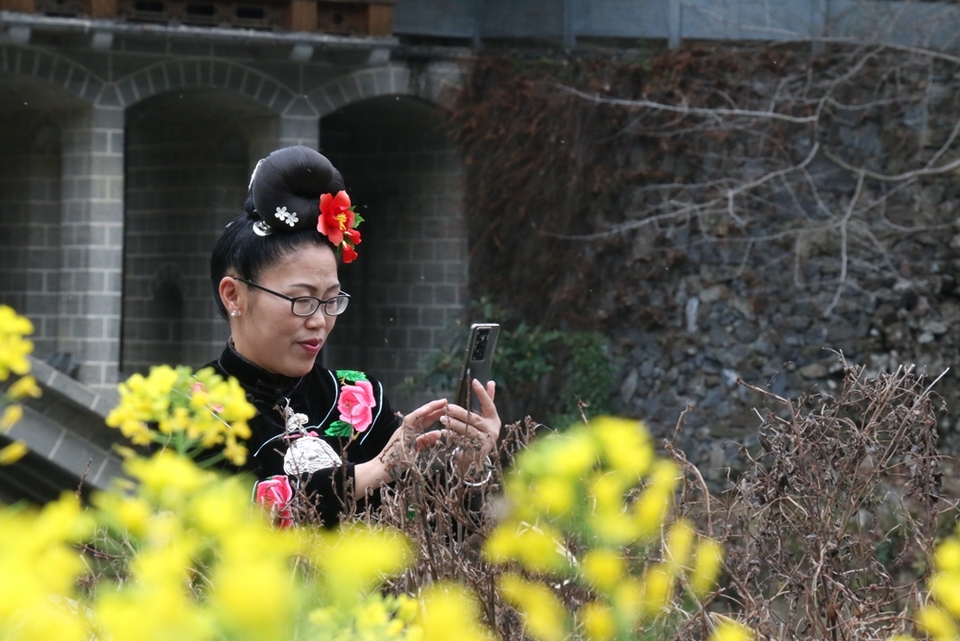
pixel 626 445
pixel 357 557
pixel 598 622
pixel 11 414
pixel 603 568
pixel 254 597
pixel 40 620
pixel 937 623
pixel 554 496
pixel 24 387
pixel 654 503
pixel 543 612
pixel 628 600
pixel 168 475
pixel 946 557
pixel 730 630
pixel 14 348
pixel 539 548
pixel 13 453
pixel 945 587
pixel 450 611
pixel 706 567
pixel 190 411
pixel 658 584
pixel 612 526
pixel 124 512
pixel 678 546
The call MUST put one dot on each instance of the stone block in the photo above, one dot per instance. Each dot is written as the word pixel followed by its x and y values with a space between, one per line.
pixel 39 435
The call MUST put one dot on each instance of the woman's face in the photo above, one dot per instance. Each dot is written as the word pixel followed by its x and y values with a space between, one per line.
pixel 266 331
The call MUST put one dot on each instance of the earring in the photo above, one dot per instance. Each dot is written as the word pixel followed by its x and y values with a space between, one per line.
pixel 234 314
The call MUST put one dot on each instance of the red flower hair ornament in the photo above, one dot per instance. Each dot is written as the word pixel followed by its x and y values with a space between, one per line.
pixel 338 222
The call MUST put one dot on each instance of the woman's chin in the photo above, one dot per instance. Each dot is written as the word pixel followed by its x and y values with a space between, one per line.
pixel 299 367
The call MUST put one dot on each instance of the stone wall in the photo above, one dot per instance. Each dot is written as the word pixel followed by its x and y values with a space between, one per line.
pixel 751 216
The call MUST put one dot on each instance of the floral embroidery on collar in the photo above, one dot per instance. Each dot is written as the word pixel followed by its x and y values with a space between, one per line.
pixel 355 404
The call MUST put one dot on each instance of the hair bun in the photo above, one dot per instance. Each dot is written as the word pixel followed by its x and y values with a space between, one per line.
pixel 286 186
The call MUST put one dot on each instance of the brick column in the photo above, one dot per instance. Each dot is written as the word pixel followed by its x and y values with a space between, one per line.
pixel 92 244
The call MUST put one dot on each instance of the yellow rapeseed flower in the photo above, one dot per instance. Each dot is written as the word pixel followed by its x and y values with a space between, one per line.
pixel 603 568
pixel 254 597
pixel 357 557
pixel 11 414
pixel 945 587
pixel 946 557
pixel 543 612
pixel 45 619
pixel 598 622
pixel 24 387
pixel 189 411
pixel 13 453
pixel 612 526
pixel 730 630
pixel 678 546
pixel 168 475
pixel 654 503
pixel 626 445
pixel 937 623
pixel 628 601
pixel 554 496
pixel 14 348
pixel 658 586
pixel 450 611
pixel 706 567
pixel 570 455
pixel 124 512
pixel 538 548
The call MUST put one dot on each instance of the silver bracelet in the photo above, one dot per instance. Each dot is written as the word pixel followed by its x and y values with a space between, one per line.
pixel 489 467
pixel 479 483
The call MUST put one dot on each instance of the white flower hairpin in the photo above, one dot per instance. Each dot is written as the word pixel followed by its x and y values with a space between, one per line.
pixel 289 217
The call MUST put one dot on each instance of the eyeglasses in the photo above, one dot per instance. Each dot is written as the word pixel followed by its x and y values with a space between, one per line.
pixel 308 305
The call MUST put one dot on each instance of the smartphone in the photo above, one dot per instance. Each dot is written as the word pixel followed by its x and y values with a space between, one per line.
pixel 477 360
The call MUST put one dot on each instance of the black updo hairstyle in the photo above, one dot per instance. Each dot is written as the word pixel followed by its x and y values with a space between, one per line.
pixel 282 209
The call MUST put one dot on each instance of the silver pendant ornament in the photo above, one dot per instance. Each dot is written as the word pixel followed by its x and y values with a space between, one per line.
pixel 307 453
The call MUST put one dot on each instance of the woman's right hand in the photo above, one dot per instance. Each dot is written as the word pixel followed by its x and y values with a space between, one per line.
pixel 411 434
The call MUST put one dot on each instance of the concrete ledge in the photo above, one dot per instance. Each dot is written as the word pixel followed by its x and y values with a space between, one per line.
pixel 69 441
pixel 49 378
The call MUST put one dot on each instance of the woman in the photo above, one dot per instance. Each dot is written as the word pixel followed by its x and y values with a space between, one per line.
pixel 327 436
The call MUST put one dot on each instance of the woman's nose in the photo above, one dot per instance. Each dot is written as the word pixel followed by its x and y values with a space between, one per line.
pixel 317 319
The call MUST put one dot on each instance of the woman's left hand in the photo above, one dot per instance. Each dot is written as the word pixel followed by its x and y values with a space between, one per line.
pixel 484 428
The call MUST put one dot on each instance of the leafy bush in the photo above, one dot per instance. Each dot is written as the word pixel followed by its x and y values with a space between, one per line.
pixel 540 372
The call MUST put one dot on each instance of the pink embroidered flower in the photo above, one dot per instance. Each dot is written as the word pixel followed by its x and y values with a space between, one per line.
pixel 276 495
pixel 356 405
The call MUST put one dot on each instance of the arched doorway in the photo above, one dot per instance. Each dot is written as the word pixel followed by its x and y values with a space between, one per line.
pixel 189 154
pixel 32 117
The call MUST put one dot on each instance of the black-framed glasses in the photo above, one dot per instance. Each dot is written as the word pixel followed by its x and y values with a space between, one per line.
pixel 308 305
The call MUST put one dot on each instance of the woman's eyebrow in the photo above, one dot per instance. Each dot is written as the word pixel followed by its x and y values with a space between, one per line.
pixel 313 288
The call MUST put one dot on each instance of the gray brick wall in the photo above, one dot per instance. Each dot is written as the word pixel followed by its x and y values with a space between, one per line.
pixel 30 217
pixel 187 173
pixel 409 284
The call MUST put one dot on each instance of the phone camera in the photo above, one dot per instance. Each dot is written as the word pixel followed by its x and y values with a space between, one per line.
pixel 480 345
